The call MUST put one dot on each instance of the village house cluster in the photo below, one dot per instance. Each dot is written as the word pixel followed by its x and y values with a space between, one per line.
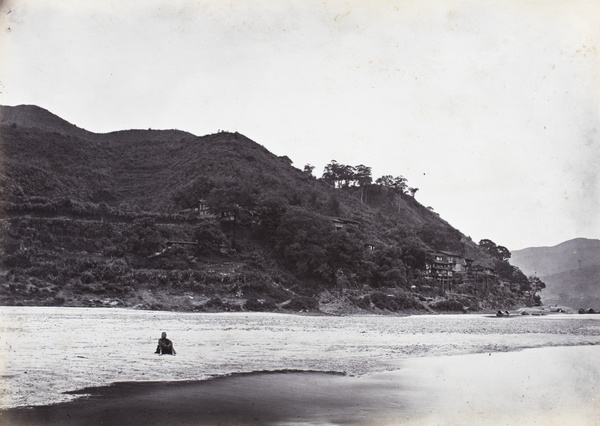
pixel 447 268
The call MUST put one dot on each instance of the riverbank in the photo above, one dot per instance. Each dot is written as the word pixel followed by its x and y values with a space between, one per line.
pixel 550 386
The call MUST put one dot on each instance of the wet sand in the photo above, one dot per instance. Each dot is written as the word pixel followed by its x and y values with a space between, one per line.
pixel 255 398
pixel 548 386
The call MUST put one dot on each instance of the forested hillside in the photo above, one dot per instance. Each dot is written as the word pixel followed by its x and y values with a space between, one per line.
pixel 163 219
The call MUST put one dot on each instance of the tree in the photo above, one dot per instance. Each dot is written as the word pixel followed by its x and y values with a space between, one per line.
pixel 441 237
pixel 145 238
pixel 332 173
pixel 308 169
pixel 498 252
pixel 309 246
pixel 503 253
pixel 397 184
pixel 385 180
pixel 344 176
pixel 488 246
pixel 209 236
pixel 300 243
pixel 413 255
pixel 194 190
pixel 347 176
pixel 345 251
pixel 537 285
pixel 512 273
pixel 239 200
pixel 270 210
pixel 364 179
pixel 388 268
pixel 504 269
pixel 234 202
pixel 333 205
pixel 362 175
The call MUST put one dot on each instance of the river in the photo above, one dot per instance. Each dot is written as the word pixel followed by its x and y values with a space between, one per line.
pixel 45 351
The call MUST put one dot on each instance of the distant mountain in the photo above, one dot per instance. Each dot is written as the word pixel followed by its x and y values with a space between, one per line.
pixel 571 271
pixel 164 219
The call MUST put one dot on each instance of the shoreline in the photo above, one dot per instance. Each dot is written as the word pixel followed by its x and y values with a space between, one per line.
pixel 553 385
pixel 410 312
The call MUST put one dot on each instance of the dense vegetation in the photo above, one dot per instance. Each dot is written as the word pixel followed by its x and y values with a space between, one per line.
pixel 168 220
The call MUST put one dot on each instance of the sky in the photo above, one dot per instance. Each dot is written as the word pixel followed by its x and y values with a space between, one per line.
pixel 490 108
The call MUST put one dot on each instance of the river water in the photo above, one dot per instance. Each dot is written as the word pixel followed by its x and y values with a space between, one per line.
pixel 45 351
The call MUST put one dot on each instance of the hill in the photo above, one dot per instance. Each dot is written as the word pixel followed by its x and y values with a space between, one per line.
pixel 165 219
pixel 571 271
pixel 577 288
pixel 26 116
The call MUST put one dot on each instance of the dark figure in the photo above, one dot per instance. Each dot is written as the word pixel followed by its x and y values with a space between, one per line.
pixel 165 346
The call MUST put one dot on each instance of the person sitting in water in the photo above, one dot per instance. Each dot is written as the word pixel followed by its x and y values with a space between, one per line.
pixel 165 346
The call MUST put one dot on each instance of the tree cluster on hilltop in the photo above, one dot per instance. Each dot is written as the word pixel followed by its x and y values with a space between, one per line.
pixel 344 176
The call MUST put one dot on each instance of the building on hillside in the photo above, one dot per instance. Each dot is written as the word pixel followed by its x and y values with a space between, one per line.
pixel 202 209
pixel 447 268
pixel 459 263
pixel 439 267
pixel 481 272
pixel 341 223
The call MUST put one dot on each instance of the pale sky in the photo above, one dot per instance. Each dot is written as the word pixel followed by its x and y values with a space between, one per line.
pixel 490 108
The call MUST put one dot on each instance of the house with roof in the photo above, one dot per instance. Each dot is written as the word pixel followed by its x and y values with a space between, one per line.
pixel 459 263
pixel 446 268
pixel 481 272
pixel 201 208
pixel 439 267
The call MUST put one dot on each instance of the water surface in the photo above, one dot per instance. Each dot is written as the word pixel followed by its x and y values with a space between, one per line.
pixel 46 351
